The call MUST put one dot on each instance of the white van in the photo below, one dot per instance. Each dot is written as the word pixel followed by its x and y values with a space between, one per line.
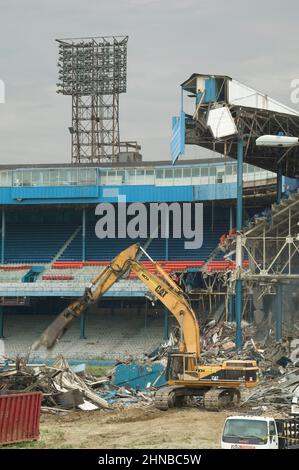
pixel 259 432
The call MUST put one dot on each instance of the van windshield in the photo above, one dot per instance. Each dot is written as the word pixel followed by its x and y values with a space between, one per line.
pixel 245 430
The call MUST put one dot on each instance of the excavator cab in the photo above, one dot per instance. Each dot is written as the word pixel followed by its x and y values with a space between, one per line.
pixel 180 365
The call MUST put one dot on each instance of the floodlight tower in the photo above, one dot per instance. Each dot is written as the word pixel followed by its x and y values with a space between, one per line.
pixel 93 71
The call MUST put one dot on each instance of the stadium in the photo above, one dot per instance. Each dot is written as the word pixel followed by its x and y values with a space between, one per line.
pixel 149 230
pixel 149 258
pixel 50 250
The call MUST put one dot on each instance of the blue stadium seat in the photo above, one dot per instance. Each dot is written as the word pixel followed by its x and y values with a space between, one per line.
pixel 105 249
pixel 37 236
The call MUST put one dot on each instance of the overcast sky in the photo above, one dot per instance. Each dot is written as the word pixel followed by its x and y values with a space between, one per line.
pixel 255 42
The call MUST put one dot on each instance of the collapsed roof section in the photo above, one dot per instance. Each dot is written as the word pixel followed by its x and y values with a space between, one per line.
pixel 225 108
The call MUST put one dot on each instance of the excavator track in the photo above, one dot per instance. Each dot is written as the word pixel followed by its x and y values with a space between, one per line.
pixel 211 399
pixel 217 398
pixel 165 397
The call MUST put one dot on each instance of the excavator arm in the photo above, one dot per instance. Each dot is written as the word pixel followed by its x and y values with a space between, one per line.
pixel 174 299
pixel 166 290
pixel 187 377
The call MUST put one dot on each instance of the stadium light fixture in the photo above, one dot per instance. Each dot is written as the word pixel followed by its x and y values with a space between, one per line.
pixel 277 141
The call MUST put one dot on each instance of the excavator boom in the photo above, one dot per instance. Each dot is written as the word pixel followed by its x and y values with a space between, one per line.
pixel 166 290
pixel 216 383
pixel 97 288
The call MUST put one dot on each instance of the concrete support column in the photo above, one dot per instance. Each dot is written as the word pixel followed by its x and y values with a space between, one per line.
pixel 230 307
pixel 166 249
pixel 279 183
pixel 83 234
pixel 238 308
pixel 251 309
pixel 239 213
pixel 278 312
pixel 1 322
pixel 166 315
pixel 145 314
pixel 82 326
pixel 231 296
pixel 166 324
pixel 239 261
pixel 3 227
pixel 231 217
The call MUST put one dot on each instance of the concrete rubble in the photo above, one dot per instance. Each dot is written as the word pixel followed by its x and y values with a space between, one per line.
pixel 67 388
pixel 278 387
pixel 133 383
pixel 275 394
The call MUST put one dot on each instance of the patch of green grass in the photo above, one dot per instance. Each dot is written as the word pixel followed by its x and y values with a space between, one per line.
pixel 26 445
pixel 98 371
pixel 46 437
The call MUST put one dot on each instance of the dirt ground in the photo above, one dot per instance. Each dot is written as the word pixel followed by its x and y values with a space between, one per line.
pixel 132 428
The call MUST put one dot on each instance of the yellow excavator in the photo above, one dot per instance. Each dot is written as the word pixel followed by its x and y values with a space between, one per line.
pixel 217 384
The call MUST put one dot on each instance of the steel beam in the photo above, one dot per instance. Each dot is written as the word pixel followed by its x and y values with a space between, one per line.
pixel 279 183
pixel 239 220
pixel 3 227
pixel 1 322
pixel 166 316
pixel 230 307
pixel 278 312
pixel 84 234
pixel 82 326
pixel 166 324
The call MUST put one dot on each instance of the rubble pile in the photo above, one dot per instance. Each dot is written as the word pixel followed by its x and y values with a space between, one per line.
pixel 133 383
pixel 65 388
pixel 218 342
pixel 278 387
pixel 277 393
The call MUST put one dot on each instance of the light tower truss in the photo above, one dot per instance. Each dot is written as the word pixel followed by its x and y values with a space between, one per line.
pixel 93 71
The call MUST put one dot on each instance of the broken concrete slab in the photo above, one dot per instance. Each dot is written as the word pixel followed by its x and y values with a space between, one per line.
pixel 228 346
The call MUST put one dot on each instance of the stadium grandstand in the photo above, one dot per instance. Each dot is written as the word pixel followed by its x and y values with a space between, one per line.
pixel 50 250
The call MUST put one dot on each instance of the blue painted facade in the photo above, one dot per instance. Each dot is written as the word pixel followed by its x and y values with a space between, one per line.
pixel 212 192
pixel 96 194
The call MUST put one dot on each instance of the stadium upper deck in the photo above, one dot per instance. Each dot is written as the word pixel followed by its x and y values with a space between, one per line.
pixel 207 180
pixel 48 217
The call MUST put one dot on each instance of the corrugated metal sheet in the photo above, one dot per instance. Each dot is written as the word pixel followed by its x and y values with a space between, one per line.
pixel 19 417
pixel 139 376
pixel 243 95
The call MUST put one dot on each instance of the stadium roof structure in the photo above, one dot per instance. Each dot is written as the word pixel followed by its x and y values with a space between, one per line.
pixel 114 165
pixel 225 109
